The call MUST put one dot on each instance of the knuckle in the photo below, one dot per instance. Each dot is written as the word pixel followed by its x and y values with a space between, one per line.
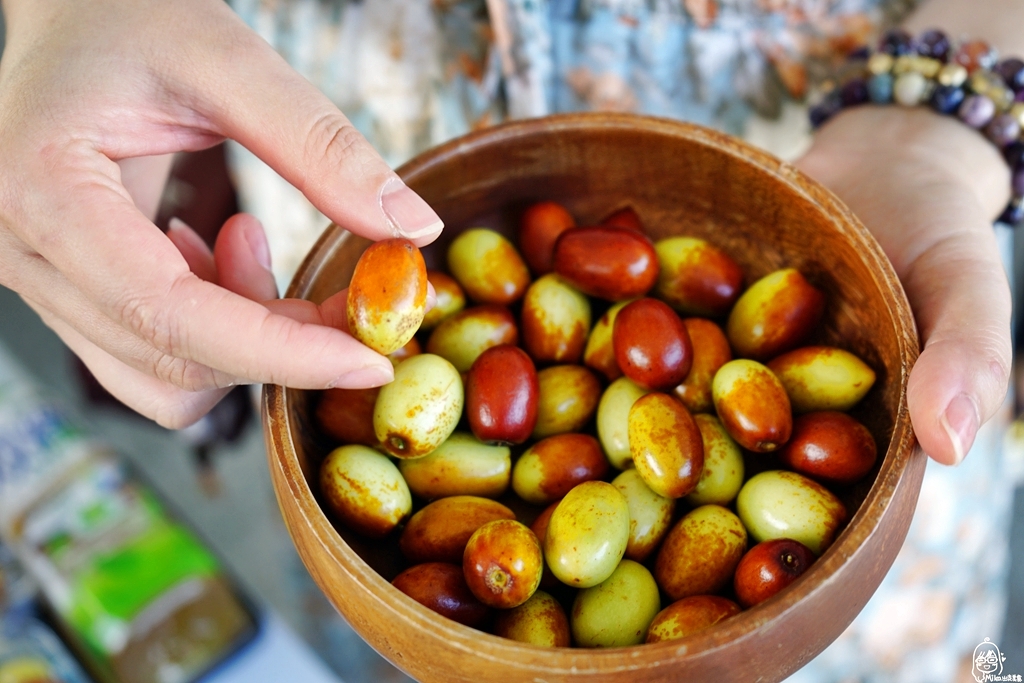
pixel 185 374
pixel 144 316
pixel 151 318
pixel 333 142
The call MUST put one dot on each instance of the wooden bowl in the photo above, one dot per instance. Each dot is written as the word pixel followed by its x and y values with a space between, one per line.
pixel 681 179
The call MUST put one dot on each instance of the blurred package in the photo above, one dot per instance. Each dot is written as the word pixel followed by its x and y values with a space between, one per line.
pixel 136 593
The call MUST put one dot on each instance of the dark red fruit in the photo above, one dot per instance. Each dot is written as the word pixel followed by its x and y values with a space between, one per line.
pixel 501 395
pixel 610 263
pixel 539 228
pixel 831 447
pixel 769 567
pixel 652 346
pixel 624 218
pixel 442 587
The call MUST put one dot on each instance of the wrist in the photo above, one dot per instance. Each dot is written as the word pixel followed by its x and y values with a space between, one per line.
pixel 897 142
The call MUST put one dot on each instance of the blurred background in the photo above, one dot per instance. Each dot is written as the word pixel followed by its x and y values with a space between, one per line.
pixel 212 482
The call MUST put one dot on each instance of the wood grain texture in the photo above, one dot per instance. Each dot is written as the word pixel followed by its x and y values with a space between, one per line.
pixel 681 179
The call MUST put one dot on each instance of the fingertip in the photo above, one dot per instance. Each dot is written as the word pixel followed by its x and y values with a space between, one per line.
pixel 193 249
pixel 242 255
pixel 366 377
pixel 408 214
pixel 431 296
pixel 960 422
pixel 952 392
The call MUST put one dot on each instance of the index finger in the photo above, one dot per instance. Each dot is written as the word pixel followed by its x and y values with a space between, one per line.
pixel 123 263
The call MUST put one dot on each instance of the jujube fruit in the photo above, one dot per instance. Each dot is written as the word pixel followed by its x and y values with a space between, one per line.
pixel 387 297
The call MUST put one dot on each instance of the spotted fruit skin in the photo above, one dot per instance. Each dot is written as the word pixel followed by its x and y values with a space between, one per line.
pixel 666 445
pixel 625 218
pixel 365 490
pixel 538 621
pixel 555 321
pixel 411 348
pixel 553 466
pixel 450 299
pixel 609 263
pixel 690 615
pixel 540 529
pixel 539 228
pixel 347 415
pixel 710 352
pixel 823 378
pixel 441 587
pixel 420 408
pixel 753 405
pixel 652 346
pixel 502 395
pixel 568 399
pixel 722 476
pixel 830 447
pixel 777 313
pixel 617 611
pixel 780 504
pixel 464 336
pixel 650 515
pixel 488 267
pixel 587 534
pixel 695 277
pixel 599 353
pixel 701 552
pixel 387 297
pixel 461 466
pixel 503 563
pixel 769 567
pixel 613 420
pixel 439 531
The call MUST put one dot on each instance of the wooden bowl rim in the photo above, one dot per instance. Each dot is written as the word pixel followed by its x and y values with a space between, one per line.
pixel 819 577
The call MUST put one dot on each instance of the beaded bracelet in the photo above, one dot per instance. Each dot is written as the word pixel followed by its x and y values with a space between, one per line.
pixel 967 80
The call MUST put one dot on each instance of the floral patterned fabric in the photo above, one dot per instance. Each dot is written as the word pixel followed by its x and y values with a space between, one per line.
pixel 412 73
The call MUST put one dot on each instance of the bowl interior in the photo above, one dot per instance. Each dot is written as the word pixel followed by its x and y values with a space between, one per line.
pixel 681 180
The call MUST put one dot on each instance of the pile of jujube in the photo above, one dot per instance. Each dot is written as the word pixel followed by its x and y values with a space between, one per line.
pixel 625 439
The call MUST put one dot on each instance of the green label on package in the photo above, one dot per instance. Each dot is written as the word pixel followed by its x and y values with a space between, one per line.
pixel 113 562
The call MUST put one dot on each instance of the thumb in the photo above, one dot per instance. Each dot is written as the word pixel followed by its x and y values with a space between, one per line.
pixel 280 117
pixel 962 300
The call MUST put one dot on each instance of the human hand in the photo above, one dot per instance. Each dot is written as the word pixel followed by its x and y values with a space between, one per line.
pixel 164 325
pixel 928 188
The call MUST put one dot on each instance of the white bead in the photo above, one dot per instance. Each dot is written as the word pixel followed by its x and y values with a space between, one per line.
pixel 909 89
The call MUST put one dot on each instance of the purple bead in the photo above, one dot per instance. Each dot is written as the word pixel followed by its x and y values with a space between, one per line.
pixel 896 42
pixel 1014 212
pixel 1003 130
pixel 1018 181
pixel 934 44
pixel 831 106
pixel 1019 97
pixel 1014 155
pixel 860 54
pixel 977 111
pixel 854 92
pixel 946 99
pixel 1012 72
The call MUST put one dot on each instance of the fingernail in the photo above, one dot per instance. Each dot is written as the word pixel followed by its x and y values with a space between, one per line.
pixel 185 232
pixel 431 296
pixel 257 241
pixel 961 422
pixel 407 213
pixel 365 377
